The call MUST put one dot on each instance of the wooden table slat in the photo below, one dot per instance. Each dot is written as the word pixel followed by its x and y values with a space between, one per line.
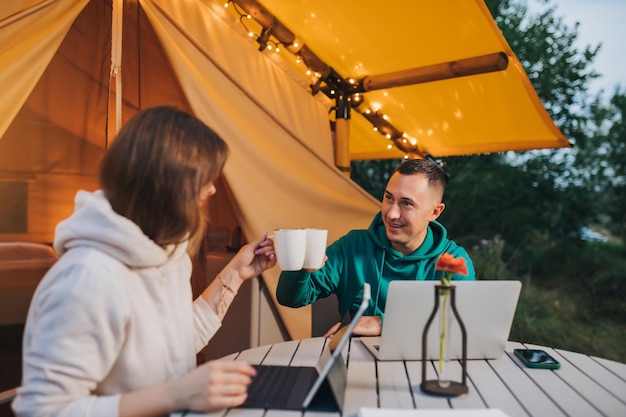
pixel 281 353
pixel 309 352
pixel 361 387
pixel 255 355
pixel 598 373
pixel 470 400
pixel 492 390
pixel 394 390
pixel 617 368
pixel 423 400
pixel 358 351
pixel 593 382
pixel 528 393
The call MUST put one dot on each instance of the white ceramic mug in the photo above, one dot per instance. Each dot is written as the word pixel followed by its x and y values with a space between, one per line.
pixel 290 248
pixel 315 248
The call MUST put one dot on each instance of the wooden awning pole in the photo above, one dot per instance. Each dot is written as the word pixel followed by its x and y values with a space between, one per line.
pixel 342 134
pixel 497 61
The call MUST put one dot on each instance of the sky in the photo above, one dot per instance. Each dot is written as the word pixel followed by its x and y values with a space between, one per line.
pixel 601 21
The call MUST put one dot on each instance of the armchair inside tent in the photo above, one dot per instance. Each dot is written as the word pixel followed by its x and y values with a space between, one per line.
pixel 22 265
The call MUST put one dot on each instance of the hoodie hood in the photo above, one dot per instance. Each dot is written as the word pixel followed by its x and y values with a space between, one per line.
pixel 94 224
pixel 435 243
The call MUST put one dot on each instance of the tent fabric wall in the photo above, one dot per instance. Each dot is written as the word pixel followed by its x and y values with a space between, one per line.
pixel 40 154
pixel 280 170
pixel 54 142
pixel 30 34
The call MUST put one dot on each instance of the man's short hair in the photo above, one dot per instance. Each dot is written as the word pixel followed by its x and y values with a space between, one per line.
pixel 436 177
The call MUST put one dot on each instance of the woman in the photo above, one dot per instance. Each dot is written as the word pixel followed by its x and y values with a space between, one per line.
pixel 112 329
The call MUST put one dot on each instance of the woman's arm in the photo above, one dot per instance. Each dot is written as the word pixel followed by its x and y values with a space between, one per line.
pixel 251 260
pixel 213 385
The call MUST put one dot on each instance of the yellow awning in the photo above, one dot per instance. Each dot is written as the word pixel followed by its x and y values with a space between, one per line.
pixel 482 113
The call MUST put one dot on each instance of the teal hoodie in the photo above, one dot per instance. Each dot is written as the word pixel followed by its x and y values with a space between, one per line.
pixel 367 256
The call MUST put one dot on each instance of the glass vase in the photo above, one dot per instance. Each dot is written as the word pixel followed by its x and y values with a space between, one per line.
pixel 445 310
pixel 445 319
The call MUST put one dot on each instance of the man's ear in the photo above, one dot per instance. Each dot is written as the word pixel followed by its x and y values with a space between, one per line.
pixel 439 208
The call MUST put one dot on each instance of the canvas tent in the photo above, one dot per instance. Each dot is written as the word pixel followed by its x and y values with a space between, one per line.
pixel 60 104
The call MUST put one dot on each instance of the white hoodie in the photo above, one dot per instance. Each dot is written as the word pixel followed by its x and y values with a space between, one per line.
pixel 114 314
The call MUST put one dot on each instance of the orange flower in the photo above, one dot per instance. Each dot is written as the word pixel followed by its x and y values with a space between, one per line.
pixel 449 263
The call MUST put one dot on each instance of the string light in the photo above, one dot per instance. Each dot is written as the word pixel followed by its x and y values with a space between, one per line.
pixel 295 46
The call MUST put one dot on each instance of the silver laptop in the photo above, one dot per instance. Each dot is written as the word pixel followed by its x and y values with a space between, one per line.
pixel 321 387
pixel 486 308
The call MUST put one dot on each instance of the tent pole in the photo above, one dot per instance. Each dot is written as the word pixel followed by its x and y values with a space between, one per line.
pixel 342 134
pixel 116 58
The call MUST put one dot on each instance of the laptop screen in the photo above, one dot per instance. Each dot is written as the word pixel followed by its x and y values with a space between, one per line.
pixel 486 307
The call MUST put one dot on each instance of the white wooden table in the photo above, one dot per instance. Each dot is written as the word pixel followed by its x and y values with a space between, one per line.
pixel 584 386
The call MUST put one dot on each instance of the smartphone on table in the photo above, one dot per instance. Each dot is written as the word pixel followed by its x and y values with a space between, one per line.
pixel 536 358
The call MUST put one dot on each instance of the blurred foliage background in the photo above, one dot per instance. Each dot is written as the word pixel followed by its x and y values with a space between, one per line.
pixel 522 215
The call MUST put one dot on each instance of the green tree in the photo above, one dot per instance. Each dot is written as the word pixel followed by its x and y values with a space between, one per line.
pixel 545 45
pixel 604 153
pixel 617 156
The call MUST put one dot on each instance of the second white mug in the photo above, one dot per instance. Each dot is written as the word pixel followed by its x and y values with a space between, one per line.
pixel 315 248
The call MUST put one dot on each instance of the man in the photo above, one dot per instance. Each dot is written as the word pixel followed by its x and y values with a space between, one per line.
pixel 403 242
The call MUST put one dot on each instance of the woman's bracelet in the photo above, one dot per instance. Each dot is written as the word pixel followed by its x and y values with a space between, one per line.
pixel 226 287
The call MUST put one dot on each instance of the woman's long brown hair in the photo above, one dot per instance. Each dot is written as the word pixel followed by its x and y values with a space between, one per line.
pixel 155 169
